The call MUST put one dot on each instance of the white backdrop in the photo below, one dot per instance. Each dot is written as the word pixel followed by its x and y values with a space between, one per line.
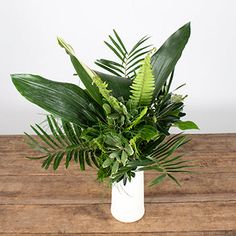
pixel 28 30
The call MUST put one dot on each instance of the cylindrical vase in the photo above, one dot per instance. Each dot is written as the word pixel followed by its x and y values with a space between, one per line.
pixel 127 201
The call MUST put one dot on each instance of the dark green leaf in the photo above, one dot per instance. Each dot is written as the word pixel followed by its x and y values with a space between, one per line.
pixel 174 179
pixel 165 59
pixel 57 160
pixel 47 162
pixel 69 156
pixel 83 72
pixel 158 180
pixel 81 160
pixel 120 41
pixel 63 99
pixel 119 86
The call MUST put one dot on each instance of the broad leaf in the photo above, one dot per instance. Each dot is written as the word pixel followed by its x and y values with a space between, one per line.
pixel 148 132
pixel 165 59
pixel 120 86
pixel 62 99
pixel 184 125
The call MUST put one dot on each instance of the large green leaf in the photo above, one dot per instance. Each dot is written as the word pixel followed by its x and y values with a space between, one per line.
pixel 120 86
pixel 165 59
pixel 82 71
pixel 63 99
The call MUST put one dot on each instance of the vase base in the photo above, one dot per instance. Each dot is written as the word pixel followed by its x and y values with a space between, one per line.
pixel 124 218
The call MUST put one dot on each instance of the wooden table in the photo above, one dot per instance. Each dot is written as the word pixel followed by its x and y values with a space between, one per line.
pixel 38 202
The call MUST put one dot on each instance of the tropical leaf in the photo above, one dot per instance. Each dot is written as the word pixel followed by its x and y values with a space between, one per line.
pixel 119 86
pixel 129 62
pixel 62 99
pixel 63 143
pixel 166 57
pixel 162 160
pixel 143 85
pixel 82 71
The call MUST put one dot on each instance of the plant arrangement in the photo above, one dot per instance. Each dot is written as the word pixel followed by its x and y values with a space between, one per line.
pixel 120 122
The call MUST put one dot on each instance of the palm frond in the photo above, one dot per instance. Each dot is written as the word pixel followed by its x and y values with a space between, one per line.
pixel 64 142
pixel 143 85
pixel 129 61
pixel 161 160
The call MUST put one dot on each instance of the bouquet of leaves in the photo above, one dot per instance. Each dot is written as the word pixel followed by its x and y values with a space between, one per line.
pixel 120 122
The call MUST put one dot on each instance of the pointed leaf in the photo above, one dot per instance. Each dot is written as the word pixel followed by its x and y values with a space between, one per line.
pixel 82 71
pixel 184 125
pixel 158 180
pixel 63 99
pixel 165 59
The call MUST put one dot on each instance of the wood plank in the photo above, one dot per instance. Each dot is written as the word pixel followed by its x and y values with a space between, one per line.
pixel 84 190
pixel 16 164
pixel 199 143
pixel 199 233
pixel 212 157
pixel 96 218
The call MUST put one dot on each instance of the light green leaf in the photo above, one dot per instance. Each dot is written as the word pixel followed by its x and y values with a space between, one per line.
pixel 113 139
pixel 184 125
pixel 148 132
pixel 114 155
pixel 115 167
pixel 138 119
pixel 143 84
pixel 124 157
pixel 129 149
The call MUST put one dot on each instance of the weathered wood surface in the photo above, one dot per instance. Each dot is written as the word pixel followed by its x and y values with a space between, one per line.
pixel 70 202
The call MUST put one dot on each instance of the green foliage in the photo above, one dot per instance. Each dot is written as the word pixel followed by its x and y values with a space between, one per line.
pixel 184 125
pixel 129 62
pixel 63 99
pixel 118 124
pixel 64 144
pixel 166 57
pixel 143 85
pixel 82 70
pixel 114 103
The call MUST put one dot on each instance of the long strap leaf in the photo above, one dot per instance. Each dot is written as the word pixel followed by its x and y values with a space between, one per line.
pixel 165 59
pixel 83 72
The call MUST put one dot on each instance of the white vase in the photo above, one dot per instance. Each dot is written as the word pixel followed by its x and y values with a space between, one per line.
pixel 127 201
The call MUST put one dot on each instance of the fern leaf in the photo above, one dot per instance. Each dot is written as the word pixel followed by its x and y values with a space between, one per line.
pixel 144 84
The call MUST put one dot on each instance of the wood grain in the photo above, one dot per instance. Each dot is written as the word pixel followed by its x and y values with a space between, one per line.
pixel 71 202
pixel 180 233
pixel 67 189
pixel 213 153
pixel 96 218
